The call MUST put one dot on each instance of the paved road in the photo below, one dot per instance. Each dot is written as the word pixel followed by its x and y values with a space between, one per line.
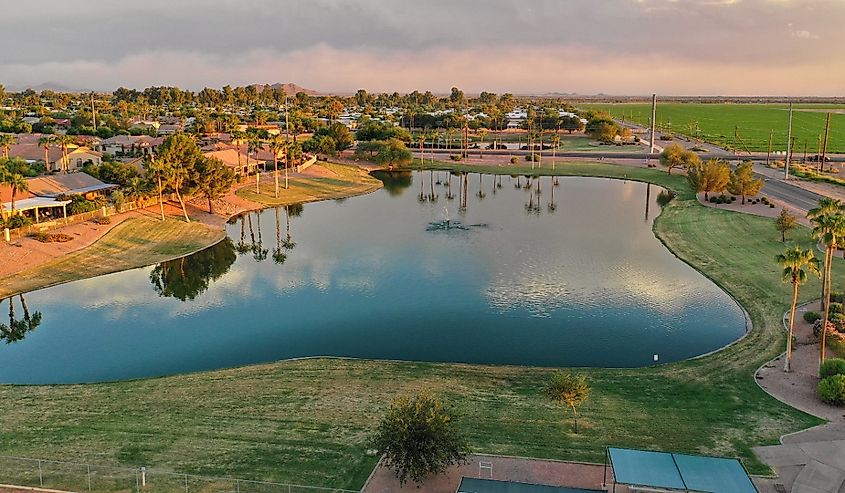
pixel 796 196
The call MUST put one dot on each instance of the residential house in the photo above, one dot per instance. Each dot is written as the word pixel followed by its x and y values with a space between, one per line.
pixel 130 145
pixel 52 155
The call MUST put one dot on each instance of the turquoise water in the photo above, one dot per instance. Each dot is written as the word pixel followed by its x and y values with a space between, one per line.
pixel 511 280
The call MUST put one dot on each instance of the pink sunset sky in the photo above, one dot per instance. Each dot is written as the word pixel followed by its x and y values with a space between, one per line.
pixel 680 47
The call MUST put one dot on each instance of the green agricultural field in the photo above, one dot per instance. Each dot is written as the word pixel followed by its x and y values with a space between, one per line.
pixel 717 123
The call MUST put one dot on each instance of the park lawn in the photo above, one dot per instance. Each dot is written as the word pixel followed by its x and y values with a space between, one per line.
pixel 136 242
pixel 348 181
pixel 754 122
pixel 307 421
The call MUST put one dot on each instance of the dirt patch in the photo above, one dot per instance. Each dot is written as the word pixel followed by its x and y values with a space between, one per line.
pixel 523 470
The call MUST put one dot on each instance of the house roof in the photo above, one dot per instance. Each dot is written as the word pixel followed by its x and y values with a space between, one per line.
pixel 70 184
pixel 32 203
pixel 6 194
pixel 229 157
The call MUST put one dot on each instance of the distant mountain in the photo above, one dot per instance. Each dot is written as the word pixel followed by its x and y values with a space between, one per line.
pixel 289 88
pixel 48 86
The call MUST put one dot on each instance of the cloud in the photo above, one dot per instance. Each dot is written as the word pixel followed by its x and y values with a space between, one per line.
pixel 515 69
pixel 338 45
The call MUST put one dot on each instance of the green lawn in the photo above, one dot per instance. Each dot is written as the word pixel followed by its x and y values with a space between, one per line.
pixel 753 121
pixel 307 421
pixel 346 181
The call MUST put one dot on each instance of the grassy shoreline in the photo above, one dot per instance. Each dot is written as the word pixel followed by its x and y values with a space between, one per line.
pixel 139 242
pixel 306 421
pixel 135 242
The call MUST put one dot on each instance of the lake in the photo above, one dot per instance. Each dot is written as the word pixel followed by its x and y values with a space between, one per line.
pixel 540 275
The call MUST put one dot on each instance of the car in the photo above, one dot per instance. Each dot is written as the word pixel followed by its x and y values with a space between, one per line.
pixel 816 158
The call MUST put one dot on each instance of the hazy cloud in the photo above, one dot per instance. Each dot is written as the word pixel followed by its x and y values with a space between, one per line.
pixel 340 45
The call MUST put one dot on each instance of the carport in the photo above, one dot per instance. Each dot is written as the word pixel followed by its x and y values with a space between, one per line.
pixel 665 471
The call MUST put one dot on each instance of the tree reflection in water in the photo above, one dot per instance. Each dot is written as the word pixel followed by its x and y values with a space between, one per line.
pixel 188 277
pixel 18 329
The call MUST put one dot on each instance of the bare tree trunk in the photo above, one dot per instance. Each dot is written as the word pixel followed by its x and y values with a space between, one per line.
pixel 788 360
pixel 182 203
pixel 160 199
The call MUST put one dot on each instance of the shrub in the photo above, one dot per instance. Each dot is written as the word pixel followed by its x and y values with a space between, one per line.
pixel 771 206
pixel 455 157
pixel 811 317
pixel 514 160
pixel 714 200
pixel 817 327
pixel 50 237
pixel 837 296
pixel 665 197
pixel 101 220
pixel 17 221
pixel 838 321
pixel 835 307
pixel 831 367
pixel 832 390
pixel 78 205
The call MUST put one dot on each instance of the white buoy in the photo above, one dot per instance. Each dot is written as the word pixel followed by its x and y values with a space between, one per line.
pixel 655 358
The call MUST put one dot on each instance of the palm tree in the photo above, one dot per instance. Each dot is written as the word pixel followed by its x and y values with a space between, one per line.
pixel 794 262
pixel 157 170
pixel 64 142
pixel 6 142
pixel 45 142
pixel 827 206
pixel 555 144
pixel 830 230
pixel 17 182
pixel 237 139
pixel 254 145
pixel 277 145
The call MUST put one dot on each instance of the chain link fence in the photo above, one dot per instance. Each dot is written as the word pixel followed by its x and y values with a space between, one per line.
pixel 80 477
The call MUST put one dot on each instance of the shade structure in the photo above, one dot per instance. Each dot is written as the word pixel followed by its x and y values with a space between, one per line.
pixel 476 485
pixel 679 472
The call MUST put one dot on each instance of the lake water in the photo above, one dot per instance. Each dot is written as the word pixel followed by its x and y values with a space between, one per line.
pixel 513 279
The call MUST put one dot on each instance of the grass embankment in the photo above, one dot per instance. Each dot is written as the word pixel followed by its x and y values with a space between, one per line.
pixel 307 421
pixel 136 242
pixel 753 122
pixel 346 181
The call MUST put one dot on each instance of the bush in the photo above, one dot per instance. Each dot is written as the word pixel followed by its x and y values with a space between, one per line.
pixel 831 367
pixel 455 157
pixel 837 297
pixel 771 206
pixel 714 200
pixel 101 220
pixel 811 317
pixel 832 390
pixel 514 160
pixel 835 307
pixel 838 321
pixel 817 327
pixel 17 221
pixel 665 197
pixel 50 237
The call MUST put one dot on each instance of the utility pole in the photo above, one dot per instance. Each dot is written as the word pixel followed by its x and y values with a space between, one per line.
pixel 94 112
pixel 769 152
pixel 818 152
pixel 788 145
pixel 653 123
pixel 826 139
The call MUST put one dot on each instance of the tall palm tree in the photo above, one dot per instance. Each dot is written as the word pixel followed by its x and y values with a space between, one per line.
pixel 6 142
pixel 65 141
pixel 830 230
pixel 253 145
pixel 279 256
pixel 17 182
pixel 237 139
pixel 157 171
pixel 796 264
pixel 277 145
pixel 45 142
pixel 555 144
pixel 827 206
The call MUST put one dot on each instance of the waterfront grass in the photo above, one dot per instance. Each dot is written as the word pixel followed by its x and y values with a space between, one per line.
pixel 135 242
pixel 307 421
pixel 342 181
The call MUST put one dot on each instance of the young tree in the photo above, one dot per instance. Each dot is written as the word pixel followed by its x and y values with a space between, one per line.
pixel 712 176
pixel 794 262
pixel 743 183
pixel 675 156
pixel 784 223
pixel 213 179
pixel 419 436
pixel 179 154
pixel 570 390
pixel 13 172
pixel 6 142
